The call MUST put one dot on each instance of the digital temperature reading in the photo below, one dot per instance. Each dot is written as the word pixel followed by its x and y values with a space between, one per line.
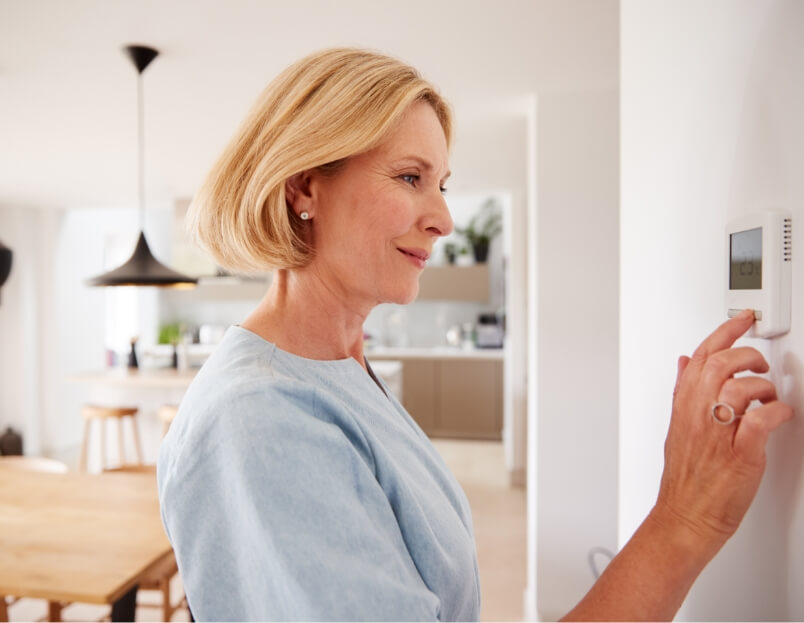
pixel 746 260
pixel 760 270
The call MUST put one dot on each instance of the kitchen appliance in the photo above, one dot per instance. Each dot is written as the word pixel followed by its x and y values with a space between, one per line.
pixel 488 332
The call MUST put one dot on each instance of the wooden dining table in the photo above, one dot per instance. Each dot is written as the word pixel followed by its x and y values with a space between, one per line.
pixel 79 538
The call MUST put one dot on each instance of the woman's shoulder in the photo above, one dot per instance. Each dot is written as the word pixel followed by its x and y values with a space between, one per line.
pixel 251 389
pixel 251 393
pixel 235 411
pixel 241 378
pixel 237 402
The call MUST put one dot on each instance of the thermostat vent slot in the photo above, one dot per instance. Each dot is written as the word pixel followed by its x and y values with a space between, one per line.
pixel 787 240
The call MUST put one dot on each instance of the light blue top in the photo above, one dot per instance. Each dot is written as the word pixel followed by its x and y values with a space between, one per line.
pixel 295 489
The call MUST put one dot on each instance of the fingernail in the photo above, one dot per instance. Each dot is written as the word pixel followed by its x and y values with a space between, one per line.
pixel 747 313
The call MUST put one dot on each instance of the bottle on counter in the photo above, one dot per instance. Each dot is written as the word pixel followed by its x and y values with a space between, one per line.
pixel 132 355
pixel 10 443
pixel 182 354
pixel 468 334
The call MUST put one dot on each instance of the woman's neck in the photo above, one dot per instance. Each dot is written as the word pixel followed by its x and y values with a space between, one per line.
pixel 303 316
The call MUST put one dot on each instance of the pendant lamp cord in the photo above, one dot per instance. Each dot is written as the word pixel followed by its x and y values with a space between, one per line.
pixel 141 155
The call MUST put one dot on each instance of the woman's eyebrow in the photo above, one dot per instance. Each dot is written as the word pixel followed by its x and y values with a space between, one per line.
pixel 425 164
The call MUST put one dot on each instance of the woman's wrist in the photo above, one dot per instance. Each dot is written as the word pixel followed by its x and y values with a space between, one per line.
pixel 649 579
pixel 683 541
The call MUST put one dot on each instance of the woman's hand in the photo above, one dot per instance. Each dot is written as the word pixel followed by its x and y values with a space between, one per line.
pixel 712 471
pixel 711 474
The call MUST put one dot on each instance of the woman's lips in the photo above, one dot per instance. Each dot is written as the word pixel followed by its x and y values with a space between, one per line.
pixel 417 256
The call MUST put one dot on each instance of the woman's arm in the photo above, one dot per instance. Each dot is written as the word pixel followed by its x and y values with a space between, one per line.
pixel 711 475
pixel 649 578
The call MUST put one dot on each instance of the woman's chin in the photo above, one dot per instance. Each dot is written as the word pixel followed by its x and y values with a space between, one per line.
pixel 404 297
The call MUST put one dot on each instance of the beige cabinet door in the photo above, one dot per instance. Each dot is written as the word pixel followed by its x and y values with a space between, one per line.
pixel 470 399
pixel 456 398
pixel 455 283
pixel 419 390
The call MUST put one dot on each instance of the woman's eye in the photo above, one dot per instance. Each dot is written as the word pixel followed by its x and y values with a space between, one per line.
pixel 443 190
pixel 409 178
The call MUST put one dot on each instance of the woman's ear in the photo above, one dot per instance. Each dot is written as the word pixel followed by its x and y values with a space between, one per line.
pixel 298 193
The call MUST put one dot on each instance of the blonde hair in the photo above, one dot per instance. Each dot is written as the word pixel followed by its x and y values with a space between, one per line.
pixel 329 106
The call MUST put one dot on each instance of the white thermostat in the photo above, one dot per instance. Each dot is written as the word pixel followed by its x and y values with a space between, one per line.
pixel 760 270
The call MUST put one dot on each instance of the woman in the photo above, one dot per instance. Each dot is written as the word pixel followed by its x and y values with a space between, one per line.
pixel 293 484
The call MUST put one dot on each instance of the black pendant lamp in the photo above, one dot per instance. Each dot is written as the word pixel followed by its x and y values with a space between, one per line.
pixel 142 268
pixel 5 263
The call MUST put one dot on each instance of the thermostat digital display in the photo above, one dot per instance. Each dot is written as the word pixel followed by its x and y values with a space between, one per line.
pixel 760 257
pixel 746 260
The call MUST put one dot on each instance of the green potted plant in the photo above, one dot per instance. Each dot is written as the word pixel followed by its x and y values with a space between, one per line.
pixel 451 252
pixel 464 258
pixel 482 228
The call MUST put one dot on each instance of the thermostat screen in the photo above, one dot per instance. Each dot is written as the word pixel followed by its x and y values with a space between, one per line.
pixel 746 260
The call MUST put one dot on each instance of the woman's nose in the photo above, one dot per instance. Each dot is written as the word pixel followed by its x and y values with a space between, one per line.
pixel 438 219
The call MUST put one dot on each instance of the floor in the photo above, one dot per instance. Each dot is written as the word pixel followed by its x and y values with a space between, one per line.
pixel 498 512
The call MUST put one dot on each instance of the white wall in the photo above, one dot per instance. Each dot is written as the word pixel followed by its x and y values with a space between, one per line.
pixel 490 152
pixel 576 341
pixel 712 127
pixel 51 323
pixel 22 346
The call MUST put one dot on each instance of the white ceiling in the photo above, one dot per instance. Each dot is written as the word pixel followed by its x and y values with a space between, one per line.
pixel 68 92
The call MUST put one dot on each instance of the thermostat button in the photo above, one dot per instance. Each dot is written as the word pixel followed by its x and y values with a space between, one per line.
pixel 735 312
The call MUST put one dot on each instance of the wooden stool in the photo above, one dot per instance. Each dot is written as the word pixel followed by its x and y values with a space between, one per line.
pixel 166 414
pixel 95 412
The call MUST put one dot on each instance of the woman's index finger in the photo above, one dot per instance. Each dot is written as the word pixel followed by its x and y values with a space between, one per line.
pixel 725 335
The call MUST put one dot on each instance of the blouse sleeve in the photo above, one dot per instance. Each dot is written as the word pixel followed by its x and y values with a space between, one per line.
pixel 275 513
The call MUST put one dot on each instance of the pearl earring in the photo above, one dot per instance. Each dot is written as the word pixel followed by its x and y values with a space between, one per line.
pixel 304 216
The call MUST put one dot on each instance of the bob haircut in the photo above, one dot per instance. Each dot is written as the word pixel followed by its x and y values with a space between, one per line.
pixel 321 110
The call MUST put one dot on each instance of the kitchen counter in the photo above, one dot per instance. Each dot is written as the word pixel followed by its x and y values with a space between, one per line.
pixel 149 388
pixel 172 379
pixel 138 378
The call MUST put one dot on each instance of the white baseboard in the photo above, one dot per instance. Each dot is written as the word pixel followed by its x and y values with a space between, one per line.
pixel 529 610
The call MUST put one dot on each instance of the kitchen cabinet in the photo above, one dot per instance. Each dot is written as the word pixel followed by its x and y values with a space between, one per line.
pixel 229 288
pixel 456 397
pixel 469 400
pixel 419 389
pixel 187 257
pixel 455 283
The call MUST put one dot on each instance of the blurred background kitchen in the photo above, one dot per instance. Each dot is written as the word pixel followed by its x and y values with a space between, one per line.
pixel 69 211
pixel 612 140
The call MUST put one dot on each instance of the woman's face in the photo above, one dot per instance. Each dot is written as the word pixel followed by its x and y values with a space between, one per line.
pixel 376 219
